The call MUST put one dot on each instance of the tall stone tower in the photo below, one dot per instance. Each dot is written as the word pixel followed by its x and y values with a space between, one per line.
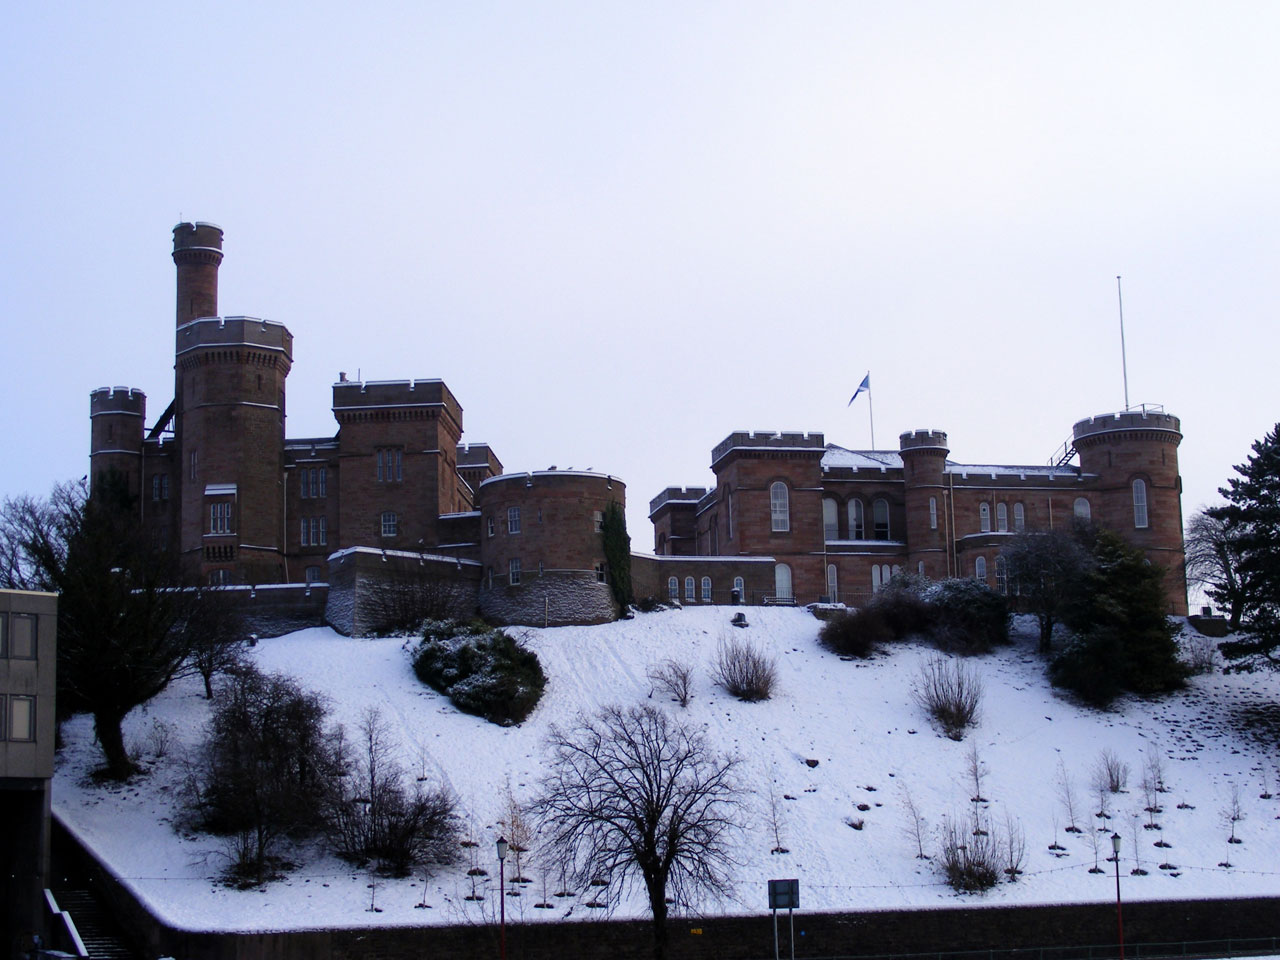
pixel 924 461
pixel 229 411
pixel 116 419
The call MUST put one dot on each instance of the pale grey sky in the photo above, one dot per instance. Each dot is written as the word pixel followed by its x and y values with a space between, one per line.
pixel 620 231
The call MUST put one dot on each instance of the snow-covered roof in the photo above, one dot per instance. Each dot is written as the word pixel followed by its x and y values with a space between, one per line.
pixel 839 458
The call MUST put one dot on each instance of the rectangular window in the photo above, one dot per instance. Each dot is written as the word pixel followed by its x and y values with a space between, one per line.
pixel 313 574
pixel 514 570
pixel 193 464
pixel 22 636
pixel 306 532
pixel 304 483
pixel 22 718
pixel 389 524
pixel 320 482
pixel 598 517
pixel 600 573
pixel 933 513
pixel 390 464
pixel 219 518
pixel 324 531
pixel 489 526
pixel 513 519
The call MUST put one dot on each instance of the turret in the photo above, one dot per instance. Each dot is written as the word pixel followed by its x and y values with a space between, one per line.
pixel 197 252
pixel 116 419
pixel 924 461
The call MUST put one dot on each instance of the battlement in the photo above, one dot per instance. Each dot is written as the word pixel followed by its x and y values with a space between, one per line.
pixel 197 241
pixel 768 440
pixel 689 495
pixel 387 394
pixel 235 331
pixel 477 455
pixel 129 401
pixel 1148 419
pixel 923 440
pixel 557 478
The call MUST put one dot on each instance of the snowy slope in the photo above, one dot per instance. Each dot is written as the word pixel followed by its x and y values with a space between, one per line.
pixel 857 719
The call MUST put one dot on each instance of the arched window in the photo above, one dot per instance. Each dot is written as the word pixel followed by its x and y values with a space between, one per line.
pixel 673 588
pixel 706 589
pixel 740 587
pixel 1019 518
pixel 920 568
pixel 933 513
pixel 980 569
pixel 897 569
pixel 832 591
pixel 780 507
pixel 1002 575
pixel 1082 509
pixel 880 516
pixel 857 520
pixel 1002 518
pixel 689 594
pixel 782 582
pixel 1140 504
pixel 830 523
pixel 984 517
pixel 875 578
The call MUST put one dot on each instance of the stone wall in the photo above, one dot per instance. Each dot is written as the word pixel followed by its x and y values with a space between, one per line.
pixel 556 598
pixel 372 590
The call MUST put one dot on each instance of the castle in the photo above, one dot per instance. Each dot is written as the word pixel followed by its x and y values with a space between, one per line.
pixel 790 519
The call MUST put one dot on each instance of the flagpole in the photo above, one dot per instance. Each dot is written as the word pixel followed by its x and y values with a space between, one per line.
pixel 1124 360
pixel 872 416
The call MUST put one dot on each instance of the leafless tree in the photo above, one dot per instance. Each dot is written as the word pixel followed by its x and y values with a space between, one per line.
pixel 1111 772
pixel 950 693
pixel 1067 794
pixel 1213 555
pixel 1233 813
pixel 1014 847
pixel 977 771
pixel 673 678
pixel 636 796
pixel 213 630
pixel 915 828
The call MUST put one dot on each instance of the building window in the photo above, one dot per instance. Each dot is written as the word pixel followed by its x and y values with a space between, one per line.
pixel 830 526
pixel 312 482
pixel 389 523
pixel 1082 512
pixel 706 589
pixel 728 514
pixel 488 574
pixel 489 525
pixel 689 594
pixel 920 568
pixel 673 588
pixel 513 519
pixel 833 595
pixel 220 518
pixel 513 571
pixel 22 718
pixel 601 572
pixel 880 516
pixel 304 483
pixel 305 530
pixel 782 582
pixel 390 462
pixel 598 518
pixel 980 569
pixel 740 587
pixel 780 507
pixel 1140 504
pixel 219 578
pixel 160 486
pixel 1002 575
pixel 875 578
pixel 933 513
pixel 18 636
pixel 857 520
pixel 192 459
pixel 984 517
pixel 319 531
pixel 313 574
pixel 1002 518
pixel 1019 518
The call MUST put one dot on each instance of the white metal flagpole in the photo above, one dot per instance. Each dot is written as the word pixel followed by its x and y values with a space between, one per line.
pixel 1124 359
pixel 871 416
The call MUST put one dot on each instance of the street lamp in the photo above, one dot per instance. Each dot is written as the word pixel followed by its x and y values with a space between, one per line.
pixel 1115 846
pixel 502 894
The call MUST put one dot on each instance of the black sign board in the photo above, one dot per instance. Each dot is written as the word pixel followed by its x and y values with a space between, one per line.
pixel 784 894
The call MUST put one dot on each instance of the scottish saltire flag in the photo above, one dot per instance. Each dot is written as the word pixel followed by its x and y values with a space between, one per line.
pixel 864 385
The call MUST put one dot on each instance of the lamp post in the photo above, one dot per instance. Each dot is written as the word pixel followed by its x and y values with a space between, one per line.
pixel 502 895
pixel 1115 846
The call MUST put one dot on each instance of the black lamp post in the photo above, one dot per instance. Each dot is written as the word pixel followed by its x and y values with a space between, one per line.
pixel 502 895
pixel 1115 846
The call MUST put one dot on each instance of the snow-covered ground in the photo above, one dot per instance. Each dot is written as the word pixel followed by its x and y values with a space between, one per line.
pixel 872 744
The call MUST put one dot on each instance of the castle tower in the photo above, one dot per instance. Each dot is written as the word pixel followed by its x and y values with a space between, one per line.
pixel 229 411
pixel 116 419
pixel 1135 457
pixel 924 461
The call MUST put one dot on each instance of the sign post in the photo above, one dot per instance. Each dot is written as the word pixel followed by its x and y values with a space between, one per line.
pixel 784 895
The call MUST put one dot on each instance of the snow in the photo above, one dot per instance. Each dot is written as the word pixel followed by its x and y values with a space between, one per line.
pixel 857 719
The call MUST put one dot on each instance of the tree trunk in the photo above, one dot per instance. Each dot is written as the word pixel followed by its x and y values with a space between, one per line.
pixel 207 675
pixel 106 728
pixel 658 907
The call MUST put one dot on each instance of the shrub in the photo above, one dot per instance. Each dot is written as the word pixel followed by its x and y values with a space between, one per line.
pixel 971 855
pixel 481 670
pixel 1111 773
pixel 856 634
pixel 903 606
pixel 745 671
pixel 967 616
pixel 674 679
pixel 950 693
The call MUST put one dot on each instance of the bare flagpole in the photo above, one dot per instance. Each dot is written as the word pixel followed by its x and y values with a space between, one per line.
pixel 1124 360
pixel 871 415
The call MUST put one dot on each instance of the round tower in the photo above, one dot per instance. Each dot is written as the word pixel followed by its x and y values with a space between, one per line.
pixel 924 461
pixel 1134 456
pixel 197 252
pixel 116 419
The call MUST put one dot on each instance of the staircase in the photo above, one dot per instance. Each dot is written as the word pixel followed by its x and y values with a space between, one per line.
pixel 100 934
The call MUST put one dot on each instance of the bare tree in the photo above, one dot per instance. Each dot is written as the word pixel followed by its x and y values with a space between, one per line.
pixel 673 678
pixel 1233 813
pixel 1067 794
pixel 915 828
pixel 1111 772
pixel 1045 570
pixel 213 630
pixel 1213 554
pixel 977 771
pixel 634 795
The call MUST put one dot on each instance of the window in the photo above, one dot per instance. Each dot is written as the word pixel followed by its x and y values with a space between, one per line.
pixel 1019 518
pixel 315 531
pixel 489 526
pixel 312 482
pixel 689 594
pixel 1002 575
pixel 1140 504
pixel 600 571
pixel 980 569
pixel 740 587
pixel 513 519
pixel 706 589
pixel 20 644
pixel 488 575
pixel 22 718
pixel 304 483
pixel 304 536
pixel 830 526
pixel 598 518
pixel 220 518
pixel 160 486
pixel 728 499
pixel 192 460
pixel 933 513
pixel 832 594
pixel 389 523
pixel 219 578
pixel 920 568
pixel 780 507
pixel 984 517
pixel 673 588
pixel 1002 518
pixel 857 520
pixel 880 516
pixel 513 571
pixel 314 575
pixel 1082 509
pixel 390 462
pixel 875 578
pixel 782 582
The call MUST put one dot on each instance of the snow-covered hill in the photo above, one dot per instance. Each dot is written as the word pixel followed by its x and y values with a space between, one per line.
pixel 872 744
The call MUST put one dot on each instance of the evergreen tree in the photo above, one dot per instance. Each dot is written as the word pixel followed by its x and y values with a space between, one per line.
pixel 1252 518
pixel 617 554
